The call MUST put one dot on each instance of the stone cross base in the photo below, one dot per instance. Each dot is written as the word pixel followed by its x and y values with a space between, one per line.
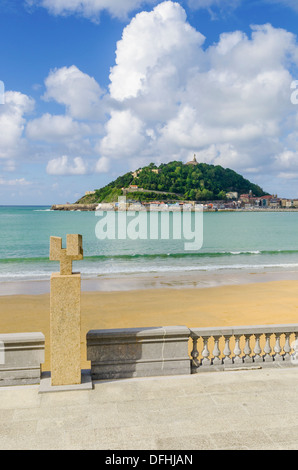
pixel 65 331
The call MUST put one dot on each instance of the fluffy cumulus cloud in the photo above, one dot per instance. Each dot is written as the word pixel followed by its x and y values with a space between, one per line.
pixel 229 103
pixel 66 166
pixel 73 132
pixel 13 113
pixel 80 93
pixel 51 128
pixel 124 136
pixel 90 8
pixel 155 51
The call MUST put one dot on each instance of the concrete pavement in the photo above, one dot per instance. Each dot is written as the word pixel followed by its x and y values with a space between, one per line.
pixel 253 409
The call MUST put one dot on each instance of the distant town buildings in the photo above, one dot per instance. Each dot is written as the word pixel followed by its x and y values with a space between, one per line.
pixel 232 195
pixel 135 174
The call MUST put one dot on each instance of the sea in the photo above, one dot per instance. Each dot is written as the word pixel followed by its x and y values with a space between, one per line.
pixel 234 246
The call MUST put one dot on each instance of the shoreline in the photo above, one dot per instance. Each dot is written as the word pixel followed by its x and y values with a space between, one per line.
pixel 153 280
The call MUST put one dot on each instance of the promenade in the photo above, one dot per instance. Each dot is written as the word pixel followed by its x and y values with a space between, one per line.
pixel 246 410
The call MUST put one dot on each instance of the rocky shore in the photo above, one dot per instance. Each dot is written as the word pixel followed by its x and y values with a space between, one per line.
pixel 74 207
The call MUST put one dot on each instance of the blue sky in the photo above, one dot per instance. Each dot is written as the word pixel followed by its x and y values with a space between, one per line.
pixel 96 88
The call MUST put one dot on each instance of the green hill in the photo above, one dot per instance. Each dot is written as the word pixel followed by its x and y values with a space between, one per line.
pixel 175 181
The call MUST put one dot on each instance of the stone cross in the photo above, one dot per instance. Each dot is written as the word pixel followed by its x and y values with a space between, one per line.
pixel 72 252
pixel 65 312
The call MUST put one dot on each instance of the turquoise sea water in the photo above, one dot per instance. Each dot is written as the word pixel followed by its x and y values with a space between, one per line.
pixel 243 241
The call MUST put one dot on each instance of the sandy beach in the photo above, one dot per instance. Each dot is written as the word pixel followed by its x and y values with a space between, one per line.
pixel 251 303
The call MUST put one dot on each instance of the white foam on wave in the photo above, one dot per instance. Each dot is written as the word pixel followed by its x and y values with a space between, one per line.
pixel 123 270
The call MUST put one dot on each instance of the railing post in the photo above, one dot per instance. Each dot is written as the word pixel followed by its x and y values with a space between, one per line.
pixel 267 349
pixel 257 350
pixel 227 360
pixel 277 349
pixel 237 351
pixel 216 361
pixel 205 353
pixel 247 350
pixel 287 348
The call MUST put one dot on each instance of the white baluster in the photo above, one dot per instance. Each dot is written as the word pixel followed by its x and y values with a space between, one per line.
pixel 257 349
pixel 227 359
pixel 205 353
pixel 277 349
pixel 287 348
pixel 267 349
pixel 216 352
pixel 237 351
pixel 247 350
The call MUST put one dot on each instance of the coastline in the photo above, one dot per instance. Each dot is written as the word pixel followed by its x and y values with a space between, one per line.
pixel 153 280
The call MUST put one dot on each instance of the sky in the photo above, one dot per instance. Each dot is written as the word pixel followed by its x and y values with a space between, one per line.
pixel 92 89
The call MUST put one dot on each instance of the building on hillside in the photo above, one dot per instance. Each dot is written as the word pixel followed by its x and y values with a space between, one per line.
pixel 87 193
pixel 135 174
pixel 232 195
pixel 245 198
pixel 193 161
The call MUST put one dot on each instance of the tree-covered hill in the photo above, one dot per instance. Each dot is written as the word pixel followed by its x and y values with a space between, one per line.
pixel 194 182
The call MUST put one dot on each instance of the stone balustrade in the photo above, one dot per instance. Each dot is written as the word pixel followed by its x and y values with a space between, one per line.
pixel 243 347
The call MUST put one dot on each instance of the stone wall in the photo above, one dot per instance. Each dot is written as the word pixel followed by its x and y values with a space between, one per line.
pixel 138 352
pixel 21 356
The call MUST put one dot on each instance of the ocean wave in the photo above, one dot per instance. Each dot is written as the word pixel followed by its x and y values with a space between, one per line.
pixel 133 269
pixel 148 256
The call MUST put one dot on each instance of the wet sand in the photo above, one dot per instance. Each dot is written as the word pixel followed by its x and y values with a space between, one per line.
pixel 251 303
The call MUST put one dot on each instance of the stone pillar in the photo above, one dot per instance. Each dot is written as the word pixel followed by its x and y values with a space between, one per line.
pixel 65 313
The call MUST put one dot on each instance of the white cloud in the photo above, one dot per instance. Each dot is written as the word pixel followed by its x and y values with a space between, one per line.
pixel 102 165
pixel 91 8
pixel 14 182
pixel 80 93
pixel 287 160
pixel 154 50
pixel 53 128
pixel 66 166
pixel 125 135
pixel 12 123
